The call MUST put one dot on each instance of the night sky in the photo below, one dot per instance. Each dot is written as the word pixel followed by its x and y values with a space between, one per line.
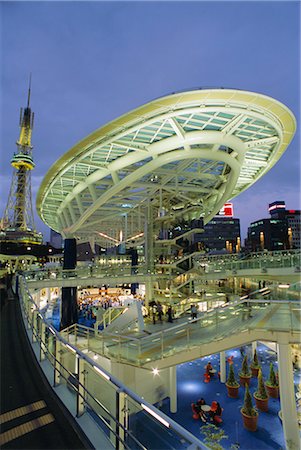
pixel 93 61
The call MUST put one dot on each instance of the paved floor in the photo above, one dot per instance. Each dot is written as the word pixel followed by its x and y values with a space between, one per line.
pixel 30 415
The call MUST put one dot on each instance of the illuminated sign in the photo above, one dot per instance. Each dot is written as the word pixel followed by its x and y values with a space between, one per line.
pixel 227 210
pixel 277 206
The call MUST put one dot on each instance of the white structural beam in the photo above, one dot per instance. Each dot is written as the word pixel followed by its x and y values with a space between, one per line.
pixel 115 165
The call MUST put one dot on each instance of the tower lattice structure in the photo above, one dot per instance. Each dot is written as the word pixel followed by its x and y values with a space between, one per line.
pixel 18 221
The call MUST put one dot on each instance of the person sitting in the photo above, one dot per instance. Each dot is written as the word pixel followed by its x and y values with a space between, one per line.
pixel 209 369
pixel 202 414
pixel 215 412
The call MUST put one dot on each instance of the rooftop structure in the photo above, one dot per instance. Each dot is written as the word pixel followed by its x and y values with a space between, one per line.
pixel 185 154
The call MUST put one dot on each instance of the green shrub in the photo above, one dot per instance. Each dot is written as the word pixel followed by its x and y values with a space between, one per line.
pixel 248 408
pixel 261 390
pixel 272 381
pixel 213 435
pixel 245 371
pixel 255 363
pixel 231 381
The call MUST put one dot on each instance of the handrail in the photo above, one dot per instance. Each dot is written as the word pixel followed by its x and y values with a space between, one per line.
pixel 29 306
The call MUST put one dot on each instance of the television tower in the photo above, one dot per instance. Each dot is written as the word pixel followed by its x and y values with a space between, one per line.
pixel 18 222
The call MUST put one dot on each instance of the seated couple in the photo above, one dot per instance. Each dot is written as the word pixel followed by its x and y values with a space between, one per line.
pixel 214 411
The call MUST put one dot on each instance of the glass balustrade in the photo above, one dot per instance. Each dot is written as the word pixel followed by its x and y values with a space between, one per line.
pixel 120 414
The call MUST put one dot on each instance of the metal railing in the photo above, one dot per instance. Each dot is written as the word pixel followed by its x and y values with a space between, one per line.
pixel 120 413
pixel 249 312
pixel 260 260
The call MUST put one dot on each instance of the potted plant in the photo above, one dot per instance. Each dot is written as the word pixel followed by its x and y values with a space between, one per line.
pixel 272 384
pixel 255 366
pixel 232 384
pixel 245 374
pixel 248 412
pixel 261 396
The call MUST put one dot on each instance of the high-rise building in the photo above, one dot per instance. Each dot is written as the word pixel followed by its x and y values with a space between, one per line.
pixel 222 233
pixel 17 224
pixel 280 232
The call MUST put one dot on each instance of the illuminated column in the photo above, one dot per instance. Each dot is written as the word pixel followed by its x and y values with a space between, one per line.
pixel 238 244
pixel 173 388
pixel 261 239
pixel 227 246
pixel 222 366
pixel 290 237
pixel 287 396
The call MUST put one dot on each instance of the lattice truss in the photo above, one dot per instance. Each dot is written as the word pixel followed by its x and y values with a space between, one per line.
pixel 18 213
pixel 185 154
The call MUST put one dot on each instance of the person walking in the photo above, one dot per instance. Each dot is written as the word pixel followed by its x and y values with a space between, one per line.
pixel 160 311
pixel 169 314
pixel 194 312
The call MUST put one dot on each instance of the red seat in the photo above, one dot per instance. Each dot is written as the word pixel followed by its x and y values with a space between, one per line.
pixel 217 419
pixel 195 414
pixel 206 377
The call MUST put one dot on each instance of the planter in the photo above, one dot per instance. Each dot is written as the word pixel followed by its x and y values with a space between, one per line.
pixel 273 391
pixel 250 422
pixel 255 371
pixel 232 391
pixel 244 380
pixel 261 403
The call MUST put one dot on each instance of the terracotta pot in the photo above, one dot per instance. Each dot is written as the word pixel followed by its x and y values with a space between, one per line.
pixel 232 391
pixel 255 371
pixel 250 422
pixel 244 379
pixel 261 403
pixel 273 391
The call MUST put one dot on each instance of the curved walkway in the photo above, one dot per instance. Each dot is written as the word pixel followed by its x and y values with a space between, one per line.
pixel 31 415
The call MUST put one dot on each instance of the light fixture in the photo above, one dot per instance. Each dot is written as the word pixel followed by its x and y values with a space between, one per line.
pixel 155 371
pixel 70 348
pixel 102 373
pixel 150 411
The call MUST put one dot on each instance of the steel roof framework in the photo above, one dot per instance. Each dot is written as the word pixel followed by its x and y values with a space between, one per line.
pixel 187 154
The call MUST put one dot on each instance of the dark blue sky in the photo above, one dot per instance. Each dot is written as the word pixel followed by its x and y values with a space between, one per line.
pixel 93 61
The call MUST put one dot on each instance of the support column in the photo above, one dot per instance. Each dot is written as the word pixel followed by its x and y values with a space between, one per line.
pixel 287 397
pixel 222 366
pixel 254 347
pixel 69 294
pixel 173 389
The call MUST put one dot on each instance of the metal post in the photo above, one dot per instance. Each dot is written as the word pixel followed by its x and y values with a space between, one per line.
pixel 122 418
pixel 34 326
pixel 42 341
pixel 57 367
pixel 80 405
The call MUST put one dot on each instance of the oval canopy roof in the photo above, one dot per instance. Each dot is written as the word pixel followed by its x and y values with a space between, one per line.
pixel 184 155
